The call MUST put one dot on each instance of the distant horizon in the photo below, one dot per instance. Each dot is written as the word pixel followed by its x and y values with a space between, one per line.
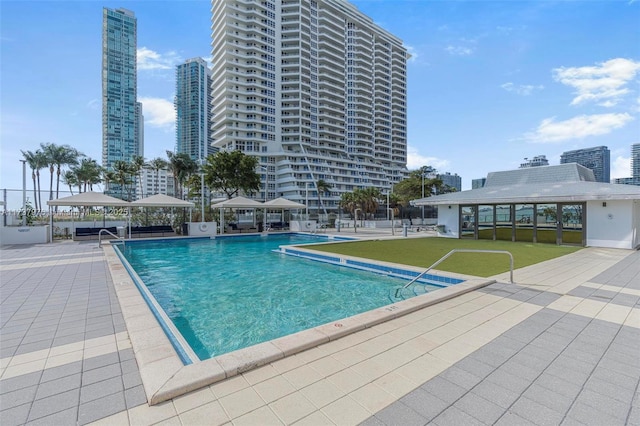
pixel 489 83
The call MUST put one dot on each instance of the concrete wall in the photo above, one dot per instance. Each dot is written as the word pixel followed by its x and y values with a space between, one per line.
pixel 24 235
pixel 450 218
pixel 202 229
pixel 614 225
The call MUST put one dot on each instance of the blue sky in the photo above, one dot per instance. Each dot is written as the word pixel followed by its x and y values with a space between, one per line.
pixel 489 83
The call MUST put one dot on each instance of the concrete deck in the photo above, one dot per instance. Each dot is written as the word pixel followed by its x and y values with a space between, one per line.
pixel 559 347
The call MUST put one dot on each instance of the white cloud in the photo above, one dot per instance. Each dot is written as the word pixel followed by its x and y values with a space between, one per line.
pixel 603 83
pixel 416 160
pixel 522 89
pixel 158 112
pixel 621 167
pixel 152 60
pixel 93 104
pixel 459 50
pixel 577 127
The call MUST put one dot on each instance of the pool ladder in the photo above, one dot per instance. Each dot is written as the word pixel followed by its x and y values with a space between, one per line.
pixel 443 258
pixel 118 239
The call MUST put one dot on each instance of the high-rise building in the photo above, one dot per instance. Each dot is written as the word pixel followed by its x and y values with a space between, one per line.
pixel 314 89
pixel 140 128
pixel 193 109
pixel 537 161
pixel 478 183
pixel 635 162
pixel 120 130
pixel 157 182
pixel 452 181
pixel 597 159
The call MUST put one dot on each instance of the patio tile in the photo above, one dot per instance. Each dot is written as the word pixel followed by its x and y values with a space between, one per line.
pixel 15 416
pixel 54 404
pixel 63 417
pixel 56 386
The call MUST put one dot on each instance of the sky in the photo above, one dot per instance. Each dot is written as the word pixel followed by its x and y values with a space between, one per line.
pixel 490 83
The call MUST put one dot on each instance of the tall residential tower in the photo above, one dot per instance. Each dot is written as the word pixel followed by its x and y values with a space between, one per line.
pixel 597 159
pixel 193 109
pixel 120 129
pixel 315 90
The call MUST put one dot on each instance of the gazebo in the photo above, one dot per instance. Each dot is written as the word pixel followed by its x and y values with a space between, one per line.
pixel 235 203
pixel 84 199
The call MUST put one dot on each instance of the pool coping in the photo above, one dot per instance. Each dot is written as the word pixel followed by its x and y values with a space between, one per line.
pixel 164 375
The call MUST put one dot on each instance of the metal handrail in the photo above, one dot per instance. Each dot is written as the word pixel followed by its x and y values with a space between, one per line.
pixel 460 251
pixel 110 233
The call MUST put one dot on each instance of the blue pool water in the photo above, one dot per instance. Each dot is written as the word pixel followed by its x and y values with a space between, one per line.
pixel 230 293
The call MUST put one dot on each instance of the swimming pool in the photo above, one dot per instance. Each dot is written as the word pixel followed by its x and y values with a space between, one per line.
pixel 230 293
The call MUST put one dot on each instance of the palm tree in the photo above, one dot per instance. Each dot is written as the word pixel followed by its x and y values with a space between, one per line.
pixel 156 165
pixel 87 174
pixel 322 187
pixel 182 166
pixel 348 202
pixel 61 155
pixel 123 172
pixel 49 151
pixel 32 160
pixel 137 164
pixel 70 178
pixel 107 176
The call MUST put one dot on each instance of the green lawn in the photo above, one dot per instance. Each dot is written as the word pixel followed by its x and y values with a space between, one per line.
pixel 426 251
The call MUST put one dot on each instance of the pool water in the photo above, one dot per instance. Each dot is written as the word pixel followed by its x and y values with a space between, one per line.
pixel 231 293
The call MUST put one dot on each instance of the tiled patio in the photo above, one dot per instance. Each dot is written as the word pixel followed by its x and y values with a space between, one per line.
pixel 559 347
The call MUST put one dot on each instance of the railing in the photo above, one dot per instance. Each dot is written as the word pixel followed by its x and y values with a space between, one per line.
pixel 443 258
pixel 110 233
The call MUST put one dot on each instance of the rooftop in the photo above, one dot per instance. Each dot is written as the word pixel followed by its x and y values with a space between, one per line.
pixel 559 346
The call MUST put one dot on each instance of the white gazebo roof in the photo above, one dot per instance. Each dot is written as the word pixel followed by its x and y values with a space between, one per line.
pixel 283 203
pixel 89 199
pixel 239 203
pixel 161 200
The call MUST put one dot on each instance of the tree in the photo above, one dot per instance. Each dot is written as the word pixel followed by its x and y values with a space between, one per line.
pixel 49 151
pixel 156 165
pixel 137 164
pixel 182 166
pixel 348 202
pixel 87 173
pixel 231 172
pixel 61 155
pixel 411 188
pixel 322 187
pixel 123 172
pixel 69 178
pixel 36 162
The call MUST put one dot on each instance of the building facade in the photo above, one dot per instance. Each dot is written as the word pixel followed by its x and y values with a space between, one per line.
pixel 635 163
pixel 157 182
pixel 193 109
pixel 315 90
pixel 451 180
pixel 537 161
pixel 478 183
pixel 597 159
pixel 121 130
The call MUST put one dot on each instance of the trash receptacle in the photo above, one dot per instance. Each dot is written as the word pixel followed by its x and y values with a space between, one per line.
pixel 404 230
pixel 185 229
pixel 121 232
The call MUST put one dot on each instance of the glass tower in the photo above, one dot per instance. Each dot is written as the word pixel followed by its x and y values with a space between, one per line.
pixel 313 88
pixel 597 159
pixel 635 163
pixel 193 109
pixel 120 130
